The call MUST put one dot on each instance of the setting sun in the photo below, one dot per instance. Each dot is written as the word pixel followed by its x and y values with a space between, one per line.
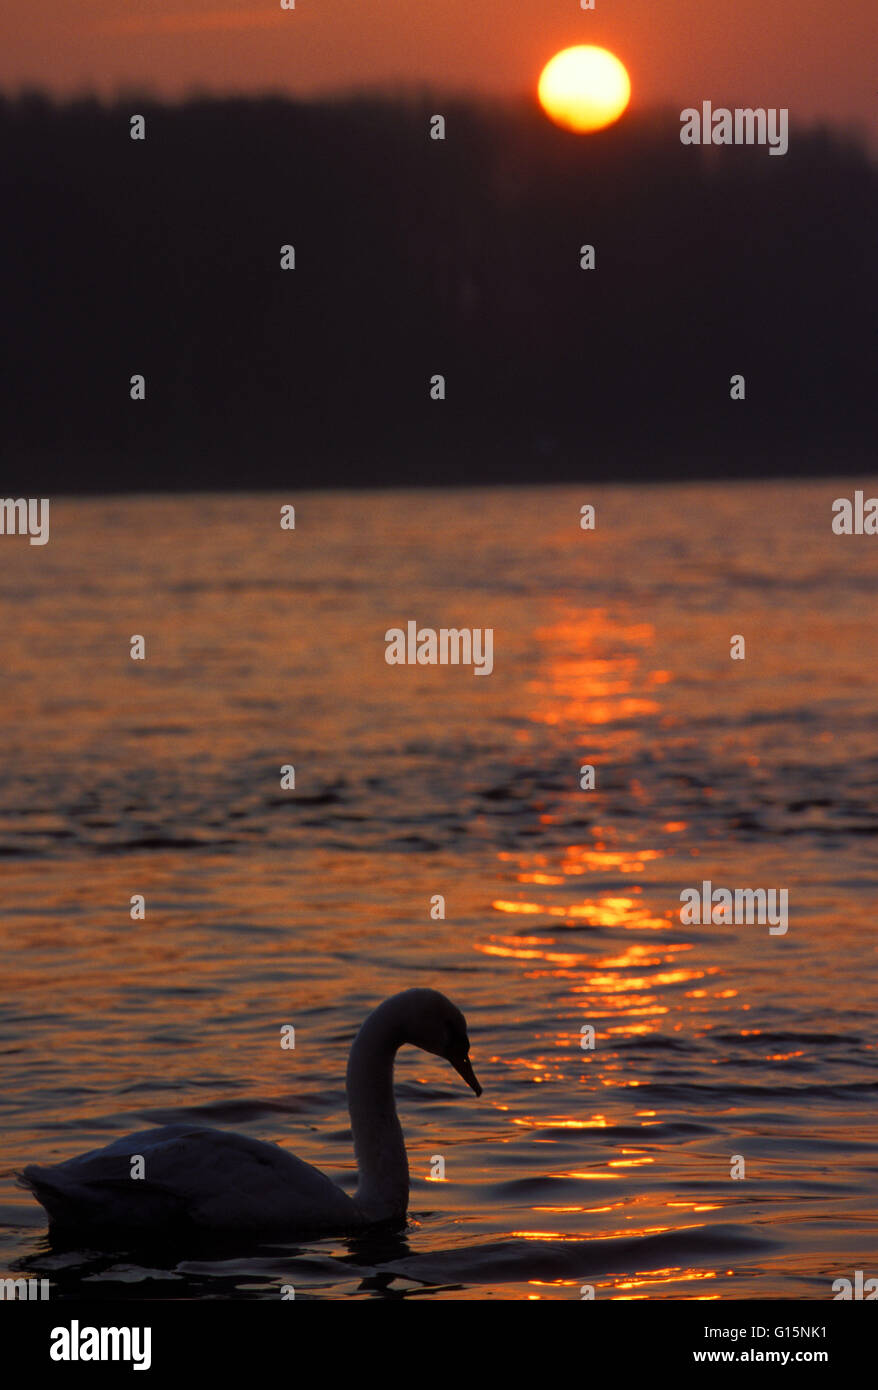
pixel 584 88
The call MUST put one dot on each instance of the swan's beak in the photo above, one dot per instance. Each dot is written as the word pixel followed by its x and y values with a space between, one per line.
pixel 464 1068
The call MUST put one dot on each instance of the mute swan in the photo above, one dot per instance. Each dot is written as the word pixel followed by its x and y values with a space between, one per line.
pixel 211 1183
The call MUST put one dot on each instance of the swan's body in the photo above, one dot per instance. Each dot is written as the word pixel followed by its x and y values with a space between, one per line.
pixel 215 1184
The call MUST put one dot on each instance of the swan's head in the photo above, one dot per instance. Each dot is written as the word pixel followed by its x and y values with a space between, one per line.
pixel 434 1024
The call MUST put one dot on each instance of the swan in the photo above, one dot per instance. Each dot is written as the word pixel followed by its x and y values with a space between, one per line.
pixel 215 1184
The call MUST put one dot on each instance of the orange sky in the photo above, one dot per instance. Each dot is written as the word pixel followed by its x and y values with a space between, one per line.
pixel 816 57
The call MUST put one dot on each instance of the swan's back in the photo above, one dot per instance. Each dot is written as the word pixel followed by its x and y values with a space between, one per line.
pixel 197 1181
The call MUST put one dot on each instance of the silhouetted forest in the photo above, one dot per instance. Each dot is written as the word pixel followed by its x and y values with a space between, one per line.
pixel 416 257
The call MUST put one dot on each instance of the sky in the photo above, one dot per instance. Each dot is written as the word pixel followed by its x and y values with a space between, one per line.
pixel 816 57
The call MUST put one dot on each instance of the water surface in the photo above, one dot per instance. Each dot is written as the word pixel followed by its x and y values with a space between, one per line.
pixel 263 906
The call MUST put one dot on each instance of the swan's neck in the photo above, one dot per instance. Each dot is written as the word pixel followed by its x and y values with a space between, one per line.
pixel 383 1187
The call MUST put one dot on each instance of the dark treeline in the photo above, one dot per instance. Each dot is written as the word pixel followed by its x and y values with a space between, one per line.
pixel 416 257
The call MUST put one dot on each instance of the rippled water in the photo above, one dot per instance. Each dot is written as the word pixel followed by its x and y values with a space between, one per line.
pixel 265 647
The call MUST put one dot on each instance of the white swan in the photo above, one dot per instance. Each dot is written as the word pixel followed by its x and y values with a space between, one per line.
pixel 211 1183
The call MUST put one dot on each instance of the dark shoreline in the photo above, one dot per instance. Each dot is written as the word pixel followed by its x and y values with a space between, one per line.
pixel 415 258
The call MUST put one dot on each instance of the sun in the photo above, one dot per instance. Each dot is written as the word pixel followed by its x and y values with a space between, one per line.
pixel 584 88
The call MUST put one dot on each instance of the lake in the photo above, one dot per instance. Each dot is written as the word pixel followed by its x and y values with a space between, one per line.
pixel 719 1048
